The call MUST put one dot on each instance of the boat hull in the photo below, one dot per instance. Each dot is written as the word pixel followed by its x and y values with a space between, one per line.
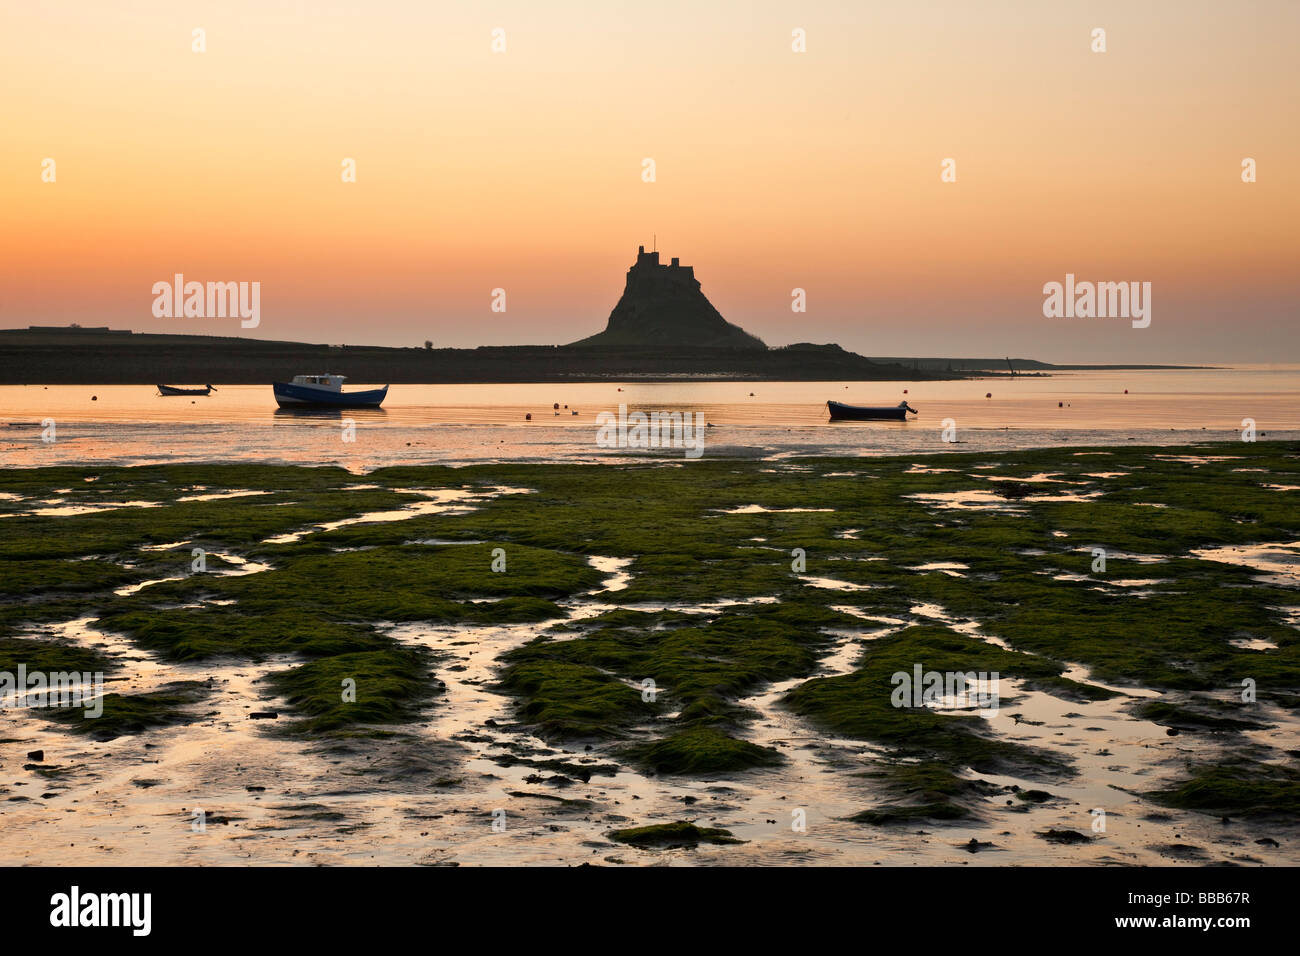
pixel 171 390
pixel 300 396
pixel 865 413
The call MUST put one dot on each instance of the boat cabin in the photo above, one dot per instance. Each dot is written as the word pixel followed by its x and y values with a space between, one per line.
pixel 332 382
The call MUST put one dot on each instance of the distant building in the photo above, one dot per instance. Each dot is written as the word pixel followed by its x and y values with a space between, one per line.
pixel 663 305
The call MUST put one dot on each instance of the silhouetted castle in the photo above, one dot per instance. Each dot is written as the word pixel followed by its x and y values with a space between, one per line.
pixel 663 306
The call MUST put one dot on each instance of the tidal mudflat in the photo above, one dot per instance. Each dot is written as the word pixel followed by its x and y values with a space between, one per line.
pixel 660 663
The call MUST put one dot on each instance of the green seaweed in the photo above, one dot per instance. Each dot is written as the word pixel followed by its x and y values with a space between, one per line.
pixel 702 750
pixel 388 686
pixel 184 634
pixel 573 701
pixel 125 714
pixel 664 836
pixel 862 703
pixel 1185 718
pixel 1028 580
pixel 1238 788
pixel 48 657
pixel 586 685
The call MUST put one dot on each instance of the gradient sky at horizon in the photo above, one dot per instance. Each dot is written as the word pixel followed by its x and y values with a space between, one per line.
pixel 775 170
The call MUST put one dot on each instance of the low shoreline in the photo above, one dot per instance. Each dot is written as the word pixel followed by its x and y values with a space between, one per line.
pixel 74 359
pixel 89 357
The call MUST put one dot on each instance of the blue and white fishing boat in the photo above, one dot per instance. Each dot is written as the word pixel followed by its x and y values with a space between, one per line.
pixel 308 390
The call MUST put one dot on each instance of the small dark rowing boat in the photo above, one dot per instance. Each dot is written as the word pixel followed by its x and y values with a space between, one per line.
pixel 864 413
pixel 173 390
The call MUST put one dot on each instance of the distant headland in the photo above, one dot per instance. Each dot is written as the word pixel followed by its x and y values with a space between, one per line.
pixel 663 328
pixel 78 356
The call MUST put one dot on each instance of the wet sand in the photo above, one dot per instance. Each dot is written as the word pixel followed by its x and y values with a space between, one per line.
pixel 432 793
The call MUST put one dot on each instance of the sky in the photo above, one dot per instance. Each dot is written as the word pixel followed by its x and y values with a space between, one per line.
pixel 523 169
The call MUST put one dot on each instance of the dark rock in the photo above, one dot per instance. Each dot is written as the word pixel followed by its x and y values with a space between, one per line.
pixel 1034 796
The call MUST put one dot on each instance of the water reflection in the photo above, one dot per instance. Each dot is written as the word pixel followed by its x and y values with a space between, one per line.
pixel 330 414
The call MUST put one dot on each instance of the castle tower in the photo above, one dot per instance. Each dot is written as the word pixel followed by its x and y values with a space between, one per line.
pixel 664 306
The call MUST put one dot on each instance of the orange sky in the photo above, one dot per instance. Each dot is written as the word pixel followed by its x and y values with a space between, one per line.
pixel 775 170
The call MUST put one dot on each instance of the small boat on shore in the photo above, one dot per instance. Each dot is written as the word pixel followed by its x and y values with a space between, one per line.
pixel 866 413
pixel 173 390
pixel 306 391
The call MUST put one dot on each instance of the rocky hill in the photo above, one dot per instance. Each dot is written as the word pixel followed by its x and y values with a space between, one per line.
pixel 663 306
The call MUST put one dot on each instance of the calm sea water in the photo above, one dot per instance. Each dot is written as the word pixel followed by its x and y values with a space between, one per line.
pixel 460 424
